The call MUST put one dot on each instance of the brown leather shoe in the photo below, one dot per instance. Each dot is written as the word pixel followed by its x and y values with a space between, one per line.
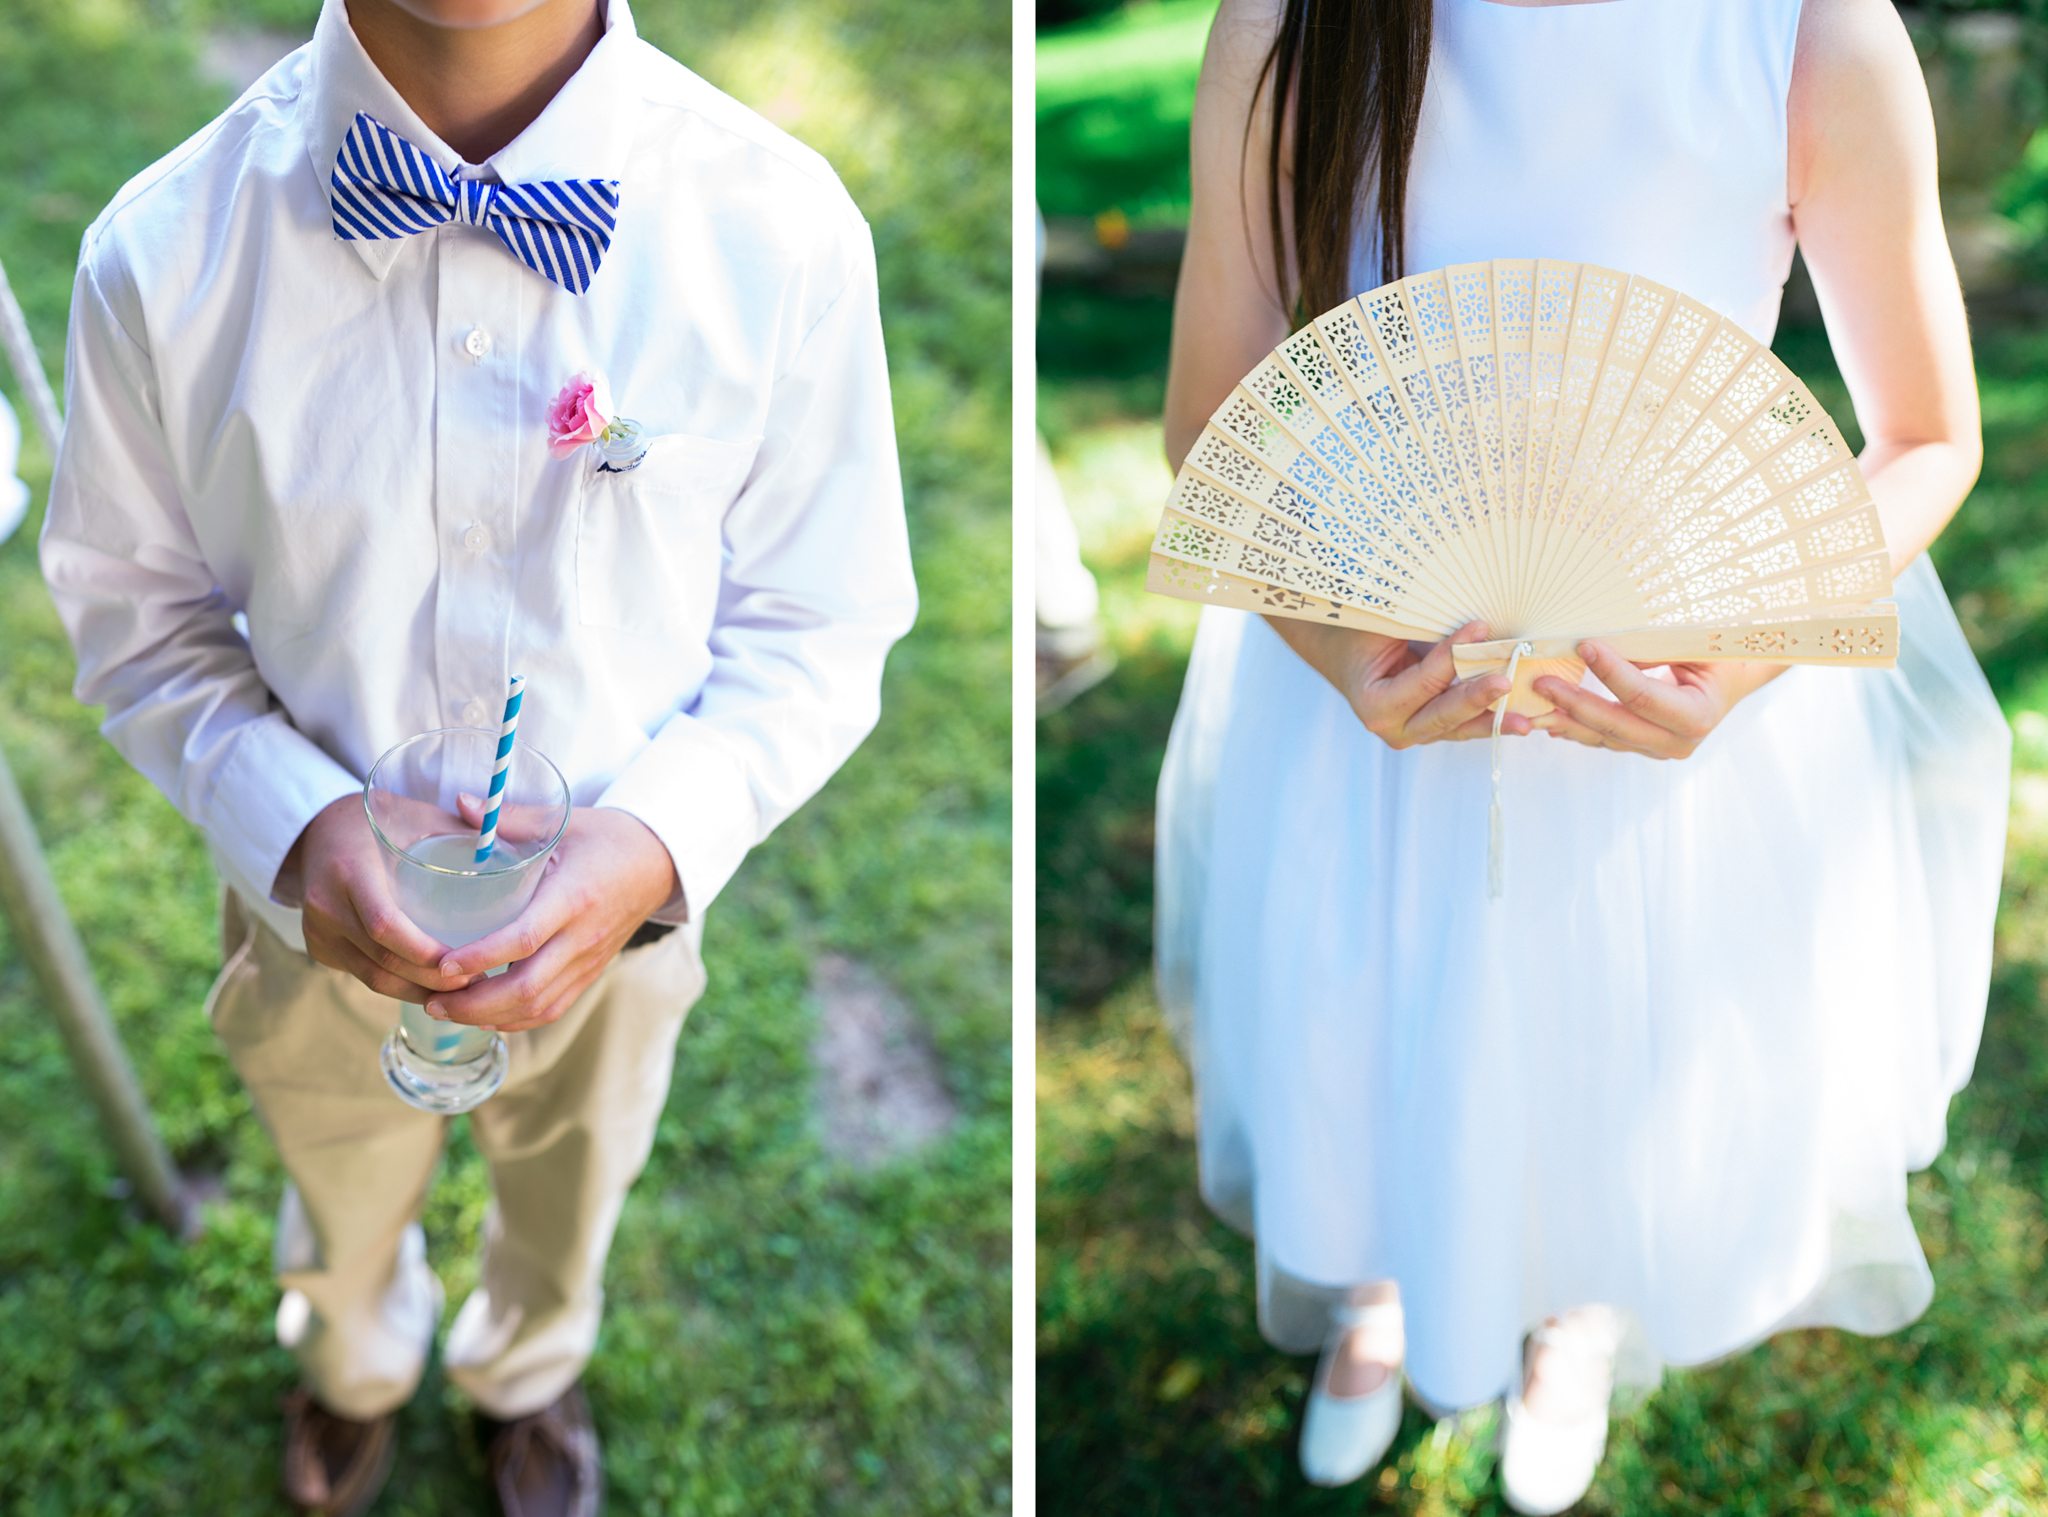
pixel 334 1466
pixel 549 1464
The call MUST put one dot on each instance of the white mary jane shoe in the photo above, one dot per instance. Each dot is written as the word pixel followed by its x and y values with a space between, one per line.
pixel 1344 1436
pixel 1545 1466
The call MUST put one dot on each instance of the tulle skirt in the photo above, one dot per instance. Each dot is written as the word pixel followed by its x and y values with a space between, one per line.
pixel 1682 1066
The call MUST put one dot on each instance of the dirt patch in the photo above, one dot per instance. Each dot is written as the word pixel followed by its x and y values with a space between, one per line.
pixel 879 1092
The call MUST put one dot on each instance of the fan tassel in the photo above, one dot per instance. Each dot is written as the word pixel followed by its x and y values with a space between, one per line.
pixel 1496 828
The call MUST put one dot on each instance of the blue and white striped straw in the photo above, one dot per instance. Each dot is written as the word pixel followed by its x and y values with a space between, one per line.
pixel 488 838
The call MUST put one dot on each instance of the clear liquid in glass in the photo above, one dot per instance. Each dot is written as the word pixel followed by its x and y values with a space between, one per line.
pixel 439 888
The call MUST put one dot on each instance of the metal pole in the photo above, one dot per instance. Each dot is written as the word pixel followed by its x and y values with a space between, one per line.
pixel 28 367
pixel 49 941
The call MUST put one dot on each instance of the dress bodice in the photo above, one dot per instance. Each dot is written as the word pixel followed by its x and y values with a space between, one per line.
pixel 1645 135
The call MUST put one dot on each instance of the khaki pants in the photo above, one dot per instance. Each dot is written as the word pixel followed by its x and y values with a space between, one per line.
pixel 565 1138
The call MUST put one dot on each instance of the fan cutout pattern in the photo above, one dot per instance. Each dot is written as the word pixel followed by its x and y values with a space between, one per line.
pixel 1556 449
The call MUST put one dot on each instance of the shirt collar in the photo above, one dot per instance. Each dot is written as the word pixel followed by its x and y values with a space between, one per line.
pixel 583 133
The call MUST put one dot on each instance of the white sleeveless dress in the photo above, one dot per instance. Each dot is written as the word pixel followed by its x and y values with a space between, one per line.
pixel 1684 1065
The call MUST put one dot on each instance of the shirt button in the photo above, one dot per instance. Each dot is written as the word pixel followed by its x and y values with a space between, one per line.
pixel 475 714
pixel 476 539
pixel 478 343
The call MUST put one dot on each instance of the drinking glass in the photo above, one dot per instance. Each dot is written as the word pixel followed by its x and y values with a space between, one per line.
pixel 425 799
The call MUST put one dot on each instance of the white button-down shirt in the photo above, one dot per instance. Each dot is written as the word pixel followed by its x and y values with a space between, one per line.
pixel 347 442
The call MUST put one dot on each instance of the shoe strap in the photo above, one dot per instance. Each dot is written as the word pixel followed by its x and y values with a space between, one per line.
pixel 1594 1332
pixel 1595 1335
pixel 1380 1313
pixel 1525 1422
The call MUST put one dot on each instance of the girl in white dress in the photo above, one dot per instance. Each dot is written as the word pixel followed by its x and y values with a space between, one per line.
pixel 1660 1099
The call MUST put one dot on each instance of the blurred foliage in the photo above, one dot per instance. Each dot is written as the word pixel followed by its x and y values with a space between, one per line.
pixel 1993 557
pixel 782 1334
pixel 2022 199
pixel 1115 96
pixel 1086 334
pixel 1057 13
pixel 294 16
pixel 2026 10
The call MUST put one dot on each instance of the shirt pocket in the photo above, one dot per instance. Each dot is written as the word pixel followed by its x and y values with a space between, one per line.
pixel 648 541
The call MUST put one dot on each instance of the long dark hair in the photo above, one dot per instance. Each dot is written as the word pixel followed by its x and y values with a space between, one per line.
pixel 1355 71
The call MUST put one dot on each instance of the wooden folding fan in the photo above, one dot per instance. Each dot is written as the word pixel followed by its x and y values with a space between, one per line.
pixel 1555 449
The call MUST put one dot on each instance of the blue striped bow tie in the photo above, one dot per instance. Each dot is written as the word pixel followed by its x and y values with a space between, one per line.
pixel 385 188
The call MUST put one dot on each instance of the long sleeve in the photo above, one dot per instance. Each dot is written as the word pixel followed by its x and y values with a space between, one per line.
pixel 150 622
pixel 346 442
pixel 816 586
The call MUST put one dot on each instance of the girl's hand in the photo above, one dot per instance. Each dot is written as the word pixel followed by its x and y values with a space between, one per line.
pixel 1663 718
pixel 1403 698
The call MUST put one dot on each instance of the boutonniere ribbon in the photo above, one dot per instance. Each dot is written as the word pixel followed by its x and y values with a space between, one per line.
pixel 581 413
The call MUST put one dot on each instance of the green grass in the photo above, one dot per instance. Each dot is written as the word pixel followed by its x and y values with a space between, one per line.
pixel 782 1334
pixel 1156 1393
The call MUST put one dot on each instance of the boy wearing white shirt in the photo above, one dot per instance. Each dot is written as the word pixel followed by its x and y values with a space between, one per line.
pixel 313 388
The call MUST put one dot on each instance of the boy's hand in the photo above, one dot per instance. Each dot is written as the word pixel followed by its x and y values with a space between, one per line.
pixel 352 921
pixel 607 875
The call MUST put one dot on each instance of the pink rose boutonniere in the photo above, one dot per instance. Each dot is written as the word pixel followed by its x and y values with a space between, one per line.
pixel 581 413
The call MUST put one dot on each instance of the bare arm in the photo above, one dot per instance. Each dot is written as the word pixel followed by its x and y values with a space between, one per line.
pixel 1861 182
pixel 1227 315
pixel 1226 312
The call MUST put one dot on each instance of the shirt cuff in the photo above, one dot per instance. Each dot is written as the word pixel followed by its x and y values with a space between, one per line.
pixel 274 781
pixel 691 792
